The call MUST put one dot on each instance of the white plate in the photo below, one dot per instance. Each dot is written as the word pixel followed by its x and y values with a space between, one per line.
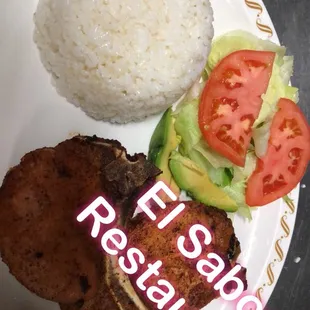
pixel 32 115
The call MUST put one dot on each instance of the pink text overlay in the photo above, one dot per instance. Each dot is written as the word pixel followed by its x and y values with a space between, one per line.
pixel 115 240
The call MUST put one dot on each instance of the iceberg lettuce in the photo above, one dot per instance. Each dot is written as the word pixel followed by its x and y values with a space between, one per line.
pixel 229 177
pixel 278 88
pixel 237 193
pixel 193 146
pixel 186 126
pixel 220 176
pixel 243 173
pixel 216 160
pixel 239 40
pixel 220 170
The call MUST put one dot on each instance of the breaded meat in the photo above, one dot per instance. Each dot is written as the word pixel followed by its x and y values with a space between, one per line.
pixel 40 240
pixel 180 271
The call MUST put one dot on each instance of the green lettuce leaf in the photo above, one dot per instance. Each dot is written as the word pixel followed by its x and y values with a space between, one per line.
pixel 243 173
pixel 215 159
pixel 245 212
pixel 220 176
pixel 186 126
pixel 193 146
pixel 220 170
pixel 292 93
pixel 232 179
pixel 237 193
pixel 239 40
pixel 278 88
pixel 260 137
pixel 192 94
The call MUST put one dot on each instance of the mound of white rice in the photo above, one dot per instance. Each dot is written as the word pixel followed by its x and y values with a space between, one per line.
pixel 122 60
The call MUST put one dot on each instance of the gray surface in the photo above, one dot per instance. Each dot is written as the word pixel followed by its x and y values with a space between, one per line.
pixel 292 23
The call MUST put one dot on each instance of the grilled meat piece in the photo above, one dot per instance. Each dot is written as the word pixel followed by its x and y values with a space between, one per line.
pixel 178 270
pixel 161 245
pixel 45 248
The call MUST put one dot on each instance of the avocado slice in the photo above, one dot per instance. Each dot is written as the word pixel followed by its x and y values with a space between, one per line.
pixel 164 140
pixel 197 184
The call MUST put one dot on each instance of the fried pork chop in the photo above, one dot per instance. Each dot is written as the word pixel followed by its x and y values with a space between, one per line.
pixel 161 245
pixel 179 271
pixel 41 242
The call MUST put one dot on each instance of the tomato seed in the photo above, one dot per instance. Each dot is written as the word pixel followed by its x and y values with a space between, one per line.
pixel 290 128
pixel 270 187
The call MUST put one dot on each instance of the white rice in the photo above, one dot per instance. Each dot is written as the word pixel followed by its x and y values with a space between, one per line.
pixel 122 60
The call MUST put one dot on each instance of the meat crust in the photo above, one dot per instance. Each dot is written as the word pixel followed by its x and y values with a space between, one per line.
pixel 158 244
pixel 181 272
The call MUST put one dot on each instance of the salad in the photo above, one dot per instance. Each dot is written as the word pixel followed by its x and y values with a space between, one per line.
pixel 237 139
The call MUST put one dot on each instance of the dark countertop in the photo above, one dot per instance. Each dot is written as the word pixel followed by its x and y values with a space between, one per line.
pixel 292 23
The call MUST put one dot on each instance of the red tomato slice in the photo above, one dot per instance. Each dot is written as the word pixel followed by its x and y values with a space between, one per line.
pixel 231 101
pixel 286 160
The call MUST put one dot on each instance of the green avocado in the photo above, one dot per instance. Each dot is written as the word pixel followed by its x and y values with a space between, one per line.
pixel 164 140
pixel 197 184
